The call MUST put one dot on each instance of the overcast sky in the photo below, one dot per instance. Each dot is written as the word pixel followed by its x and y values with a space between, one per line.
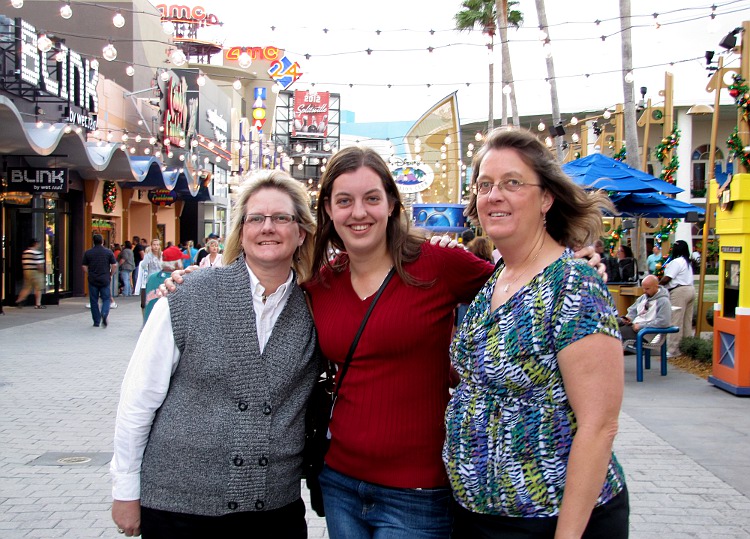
pixel 400 55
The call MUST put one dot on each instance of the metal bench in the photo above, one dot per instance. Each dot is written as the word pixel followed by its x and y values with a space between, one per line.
pixel 643 348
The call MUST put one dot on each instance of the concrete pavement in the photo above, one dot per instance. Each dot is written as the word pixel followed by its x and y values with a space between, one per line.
pixel 684 444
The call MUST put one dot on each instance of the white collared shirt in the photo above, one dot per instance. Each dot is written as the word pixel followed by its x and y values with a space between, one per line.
pixel 147 378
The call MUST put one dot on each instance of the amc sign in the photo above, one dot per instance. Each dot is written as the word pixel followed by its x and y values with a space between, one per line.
pixel 38 180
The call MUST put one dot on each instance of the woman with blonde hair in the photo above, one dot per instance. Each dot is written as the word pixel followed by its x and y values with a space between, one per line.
pixel 208 439
pixel 214 258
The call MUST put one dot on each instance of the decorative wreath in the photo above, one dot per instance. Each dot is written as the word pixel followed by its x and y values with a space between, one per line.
pixel 740 91
pixel 664 232
pixel 736 148
pixel 662 149
pixel 109 196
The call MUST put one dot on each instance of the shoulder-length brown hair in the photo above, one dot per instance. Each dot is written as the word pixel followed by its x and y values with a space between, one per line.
pixel 281 181
pixel 404 244
pixel 575 217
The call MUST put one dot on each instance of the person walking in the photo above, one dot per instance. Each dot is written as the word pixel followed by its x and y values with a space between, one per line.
pixel 100 265
pixel 213 259
pixel 210 426
pixel 127 265
pixel 150 264
pixel 32 260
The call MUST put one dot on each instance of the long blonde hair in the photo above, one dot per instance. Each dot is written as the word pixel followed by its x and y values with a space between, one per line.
pixel 281 181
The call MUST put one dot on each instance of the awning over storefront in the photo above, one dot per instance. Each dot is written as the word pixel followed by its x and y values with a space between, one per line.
pixel 60 146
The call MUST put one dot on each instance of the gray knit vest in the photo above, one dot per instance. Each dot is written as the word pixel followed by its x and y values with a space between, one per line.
pixel 230 433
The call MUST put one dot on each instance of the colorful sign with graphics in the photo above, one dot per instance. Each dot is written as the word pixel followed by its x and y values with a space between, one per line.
pixel 310 114
pixel 284 72
pixel 37 180
pixel 174 109
pixel 412 177
pixel 162 197
pixel 440 217
pixel 269 53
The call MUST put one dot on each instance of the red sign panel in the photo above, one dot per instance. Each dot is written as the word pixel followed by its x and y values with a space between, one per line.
pixel 310 114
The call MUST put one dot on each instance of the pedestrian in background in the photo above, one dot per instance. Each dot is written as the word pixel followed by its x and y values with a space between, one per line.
pixel 531 424
pixel 150 264
pixel 100 265
pixel 210 426
pixel 213 259
pixel 127 266
pixel 171 259
pixel 678 279
pixel 32 261
pixel 653 259
pixel 191 251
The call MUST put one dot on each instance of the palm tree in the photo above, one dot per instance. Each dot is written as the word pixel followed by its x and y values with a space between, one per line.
pixel 542 15
pixel 514 18
pixel 483 13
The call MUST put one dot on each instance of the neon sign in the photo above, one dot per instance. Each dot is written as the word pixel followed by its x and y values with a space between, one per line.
pixel 256 53
pixel 180 13
pixel 73 79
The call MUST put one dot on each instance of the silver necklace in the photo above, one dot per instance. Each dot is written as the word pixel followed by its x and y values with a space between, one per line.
pixel 507 286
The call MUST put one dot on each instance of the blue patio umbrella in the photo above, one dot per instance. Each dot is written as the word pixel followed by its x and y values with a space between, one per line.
pixel 652 205
pixel 598 171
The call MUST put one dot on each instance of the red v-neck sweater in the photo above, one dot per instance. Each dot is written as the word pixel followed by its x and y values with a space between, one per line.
pixel 387 427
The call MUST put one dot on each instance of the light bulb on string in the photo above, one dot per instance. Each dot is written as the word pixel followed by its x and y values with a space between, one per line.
pixel 606 115
pixel 44 44
pixel 164 76
pixel 447 140
pixel 132 150
pixel 152 140
pixel 507 89
pixel 109 52
pixel 18 4
pixel 125 137
pixel 59 56
pixel 118 20
pixel 275 89
pixel 574 137
pixel 237 85
pixel 130 71
pixel 178 57
pixel 547 48
pixel 65 11
pixel 94 64
pixel 167 27
pixel 244 60
pixel 138 138
pixel 478 137
pixel 541 127
pixel 574 121
pixel 201 80
pixel 629 78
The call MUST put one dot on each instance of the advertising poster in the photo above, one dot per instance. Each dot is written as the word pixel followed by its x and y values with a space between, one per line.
pixel 310 114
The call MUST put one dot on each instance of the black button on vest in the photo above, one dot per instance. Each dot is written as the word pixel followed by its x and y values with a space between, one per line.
pixel 259 505
pixel 232 505
pixel 267 409
pixel 238 461
pixel 263 461
pixel 242 406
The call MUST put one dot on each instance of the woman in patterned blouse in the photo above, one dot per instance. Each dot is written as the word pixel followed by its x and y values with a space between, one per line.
pixel 531 425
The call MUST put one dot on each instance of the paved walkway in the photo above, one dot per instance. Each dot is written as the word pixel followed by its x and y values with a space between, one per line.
pixel 685 445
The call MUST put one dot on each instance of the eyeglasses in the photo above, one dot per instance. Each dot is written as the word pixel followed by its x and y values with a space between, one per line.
pixel 512 185
pixel 257 220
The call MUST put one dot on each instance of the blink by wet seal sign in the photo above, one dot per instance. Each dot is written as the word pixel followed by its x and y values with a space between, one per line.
pixel 38 180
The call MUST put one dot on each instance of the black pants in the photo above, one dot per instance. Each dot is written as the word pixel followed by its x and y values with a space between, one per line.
pixel 608 521
pixel 287 522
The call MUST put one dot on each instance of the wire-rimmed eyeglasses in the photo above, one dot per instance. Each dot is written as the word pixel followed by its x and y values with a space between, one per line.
pixel 512 185
pixel 258 220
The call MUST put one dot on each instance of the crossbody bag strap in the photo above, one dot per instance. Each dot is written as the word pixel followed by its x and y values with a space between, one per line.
pixel 353 347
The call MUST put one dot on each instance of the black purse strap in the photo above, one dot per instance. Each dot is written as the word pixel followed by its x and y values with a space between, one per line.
pixel 353 347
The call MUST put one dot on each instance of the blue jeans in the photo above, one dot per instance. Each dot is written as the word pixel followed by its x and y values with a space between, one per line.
pixel 127 285
pixel 359 510
pixel 96 292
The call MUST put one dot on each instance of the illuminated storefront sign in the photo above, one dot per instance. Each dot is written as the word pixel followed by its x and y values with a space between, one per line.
pixel 219 124
pixel 310 114
pixel 256 53
pixel 162 197
pixel 174 109
pixel 35 180
pixel 181 13
pixel 61 72
pixel 284 72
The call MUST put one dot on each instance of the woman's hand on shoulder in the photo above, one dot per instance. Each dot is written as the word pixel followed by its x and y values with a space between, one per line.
pixel 444 241
pixel 594 260
pixel 170 283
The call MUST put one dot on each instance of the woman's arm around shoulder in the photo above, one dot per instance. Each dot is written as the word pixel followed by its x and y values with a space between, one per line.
pixel 461 272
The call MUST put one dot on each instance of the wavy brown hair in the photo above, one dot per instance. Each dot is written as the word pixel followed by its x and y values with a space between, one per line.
pixel 575 217
pixel 404 244
pixel 281 181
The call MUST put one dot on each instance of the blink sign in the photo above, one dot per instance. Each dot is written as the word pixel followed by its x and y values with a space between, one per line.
pixel 38 180
pixel 59 72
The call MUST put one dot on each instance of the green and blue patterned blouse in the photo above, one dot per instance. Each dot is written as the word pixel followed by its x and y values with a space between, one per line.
pixel 509 424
